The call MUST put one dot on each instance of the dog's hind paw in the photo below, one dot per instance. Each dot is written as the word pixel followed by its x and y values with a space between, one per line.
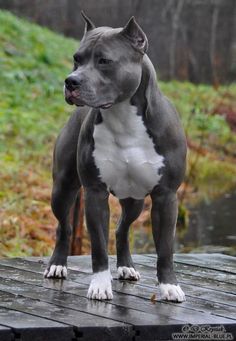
pixel 125 272
pixel 172 292
pixel 56 271
pixel 100 286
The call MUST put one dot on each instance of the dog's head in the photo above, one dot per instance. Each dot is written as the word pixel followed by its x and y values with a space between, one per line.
pixel 107 66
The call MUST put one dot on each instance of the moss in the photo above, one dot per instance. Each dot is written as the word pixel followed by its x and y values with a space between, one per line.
pixel 211 177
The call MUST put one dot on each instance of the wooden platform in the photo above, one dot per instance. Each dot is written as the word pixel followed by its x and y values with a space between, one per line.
pixel 37 309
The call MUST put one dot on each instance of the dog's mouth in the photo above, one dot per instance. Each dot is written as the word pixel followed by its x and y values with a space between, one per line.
pixel 105 106
pixel 73 97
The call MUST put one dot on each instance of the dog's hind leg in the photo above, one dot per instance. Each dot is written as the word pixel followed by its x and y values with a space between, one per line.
pixel 65 188
pixel 131 209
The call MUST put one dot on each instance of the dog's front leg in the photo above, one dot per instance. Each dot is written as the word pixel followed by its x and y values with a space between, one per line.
pixel 164 215
pixel 97 217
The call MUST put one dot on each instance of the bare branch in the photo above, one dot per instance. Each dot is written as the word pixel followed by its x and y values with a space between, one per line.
pixel 214 23
pixel 175 27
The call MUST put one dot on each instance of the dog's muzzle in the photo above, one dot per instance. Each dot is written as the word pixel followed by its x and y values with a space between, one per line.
pixel 73 96
pixel 71 91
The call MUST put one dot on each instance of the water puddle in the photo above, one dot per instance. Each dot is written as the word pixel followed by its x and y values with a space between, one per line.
pixel 212 228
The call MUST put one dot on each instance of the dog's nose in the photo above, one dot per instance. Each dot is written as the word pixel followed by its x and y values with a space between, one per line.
pixel 72 82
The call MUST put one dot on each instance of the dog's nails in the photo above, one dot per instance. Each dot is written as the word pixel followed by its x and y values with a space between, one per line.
pixel 133 272
pixel 59 270
pixel 52 271
pixel 45 273
pixel 64 271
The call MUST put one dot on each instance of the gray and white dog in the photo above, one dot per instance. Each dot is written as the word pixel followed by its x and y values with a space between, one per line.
pixel 127 140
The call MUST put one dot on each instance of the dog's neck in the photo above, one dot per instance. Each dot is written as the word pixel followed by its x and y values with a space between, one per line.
pixel 117 118
pixel 148 90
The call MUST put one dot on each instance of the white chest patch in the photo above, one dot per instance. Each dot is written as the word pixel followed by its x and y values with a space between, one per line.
pixel 125 154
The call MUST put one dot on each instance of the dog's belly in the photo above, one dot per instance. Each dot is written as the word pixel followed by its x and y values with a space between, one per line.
pixel 124 153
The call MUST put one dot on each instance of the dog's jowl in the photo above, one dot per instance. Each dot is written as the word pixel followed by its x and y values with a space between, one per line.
pixel 125 139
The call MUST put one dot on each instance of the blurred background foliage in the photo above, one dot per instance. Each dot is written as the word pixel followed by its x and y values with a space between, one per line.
pixel 34 62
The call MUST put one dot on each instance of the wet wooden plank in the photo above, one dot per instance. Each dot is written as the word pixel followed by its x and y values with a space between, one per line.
pixel 24 290
pixel 187 275
pixel 134 289
pixel 14 298
pixel 195 271
pixel 75 297
pixel 85 324
pixel 63 307
pixel 188 269
pixel 6 334
pixel 191 288
pixel 26 327
pixel 215 261
pixel 185 279
pixel 83 263
pixel 204 273
pixel 118 312
pixel 212 261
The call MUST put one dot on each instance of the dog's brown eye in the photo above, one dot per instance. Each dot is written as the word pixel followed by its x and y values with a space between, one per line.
pixel 104 61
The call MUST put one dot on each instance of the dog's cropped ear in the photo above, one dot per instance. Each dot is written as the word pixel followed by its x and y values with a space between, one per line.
pixel 89 25
pixel 136 36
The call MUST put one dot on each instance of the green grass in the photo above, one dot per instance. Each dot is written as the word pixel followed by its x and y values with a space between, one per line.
pixel 34 63
pixel 203 109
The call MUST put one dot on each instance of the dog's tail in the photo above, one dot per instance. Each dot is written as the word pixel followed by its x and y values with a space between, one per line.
pixel 77 220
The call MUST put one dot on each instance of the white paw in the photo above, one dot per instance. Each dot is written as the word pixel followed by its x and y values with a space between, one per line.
pixel 128 273
pixel 172 292
pixel 100 286
pixel 56 271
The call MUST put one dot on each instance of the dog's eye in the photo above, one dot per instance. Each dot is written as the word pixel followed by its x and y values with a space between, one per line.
pixel 104 61
pixel 77 59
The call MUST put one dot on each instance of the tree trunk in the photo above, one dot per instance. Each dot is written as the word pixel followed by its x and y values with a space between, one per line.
pixel 77 221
